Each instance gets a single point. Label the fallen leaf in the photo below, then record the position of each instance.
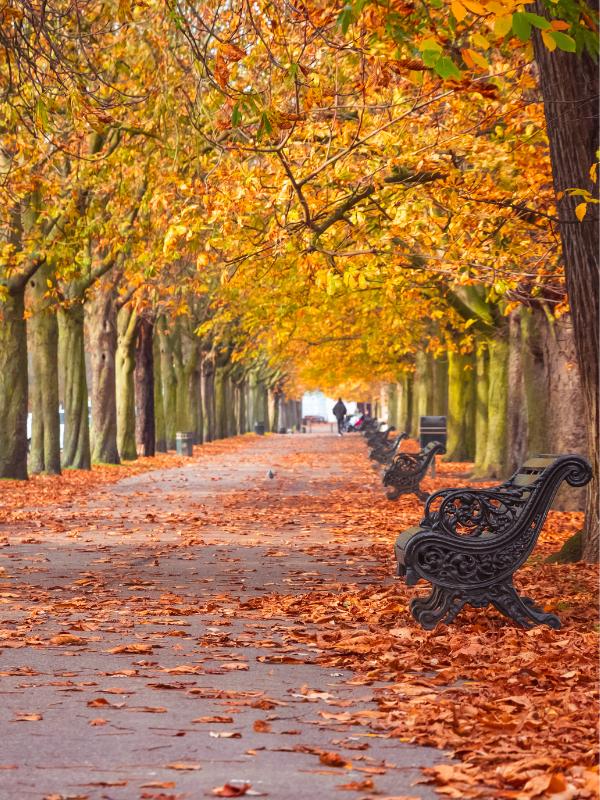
(331, 759)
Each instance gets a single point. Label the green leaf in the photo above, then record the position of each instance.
(521, 26)
(236, 115)
(446, 68)
(563, 41)
(538, 22)
(430, 58)
(346, 18)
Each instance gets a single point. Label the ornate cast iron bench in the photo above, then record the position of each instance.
(384, 453)
(407, 470)
(379, 436)
(471, 541)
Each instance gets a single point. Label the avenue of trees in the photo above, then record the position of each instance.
(207, 208)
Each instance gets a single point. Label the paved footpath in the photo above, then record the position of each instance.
(132, 662)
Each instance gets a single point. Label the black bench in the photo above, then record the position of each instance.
(379, 435)
(407, 470)
(471, 541)
(383, 453)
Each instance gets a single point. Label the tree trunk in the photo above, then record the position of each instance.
(481, 410)
(144, 389)
(460, 407)
(556, 418)
(516, 407)
(423, 389)
(208, 397)
(126, 336)
(186, 353)
(76, 445)
(569, 84)
(169, 381)
(439, 367)
(102, 337)
(42, 330)
(220, 403)
(405, 401)
(494, 465)
(159, 408)
(13, 387)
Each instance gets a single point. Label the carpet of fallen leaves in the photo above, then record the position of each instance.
(517, 710)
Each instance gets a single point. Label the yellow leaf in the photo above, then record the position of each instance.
(594, 172)
(502, 25)
(459, 11)
(475, 8)
(548, 41)
(480, 41)
(580, 211)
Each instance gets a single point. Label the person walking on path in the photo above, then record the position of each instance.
(339, 412)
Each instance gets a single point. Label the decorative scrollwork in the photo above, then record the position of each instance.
(474, 512)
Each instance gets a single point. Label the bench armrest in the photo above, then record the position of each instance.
(472, 512)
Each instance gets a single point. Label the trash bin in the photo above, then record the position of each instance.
(432, 429)
(184, 443)
(259, 428)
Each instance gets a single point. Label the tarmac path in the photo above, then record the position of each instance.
(137, 660)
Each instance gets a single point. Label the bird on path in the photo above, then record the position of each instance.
(270, 474)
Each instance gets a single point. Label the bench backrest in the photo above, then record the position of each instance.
(531, 470)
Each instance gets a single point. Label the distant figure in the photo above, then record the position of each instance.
(339, 412)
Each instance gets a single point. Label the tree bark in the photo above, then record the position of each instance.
(125, 362)
(569, 84)
(555, 410)
(494, 465)
(76, 445)
(481, 409)
(460, 407)
(42, 331)
(159, 409)
(13, 387)
(516, 405)
(102, 336)
(169, 381)
(144, 389)
(208, 397)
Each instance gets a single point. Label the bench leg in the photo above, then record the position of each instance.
(423, 496)
(522, 610)
(442, 605)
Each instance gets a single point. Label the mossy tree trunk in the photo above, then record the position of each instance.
(168, 380)
(494, 464)
(76, 445)
(439, 368)
(220, 403)
(208, 397)
(187, 361)
(461, 407)
(145, 431)
(159, 409)
(516, 406)
(13, 386)
(405, 387)
(481, 408)
(101, 326)
(423, 389)
(44, 451)
(127, 320)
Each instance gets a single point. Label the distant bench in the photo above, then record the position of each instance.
(407, 470)
(471, 541)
